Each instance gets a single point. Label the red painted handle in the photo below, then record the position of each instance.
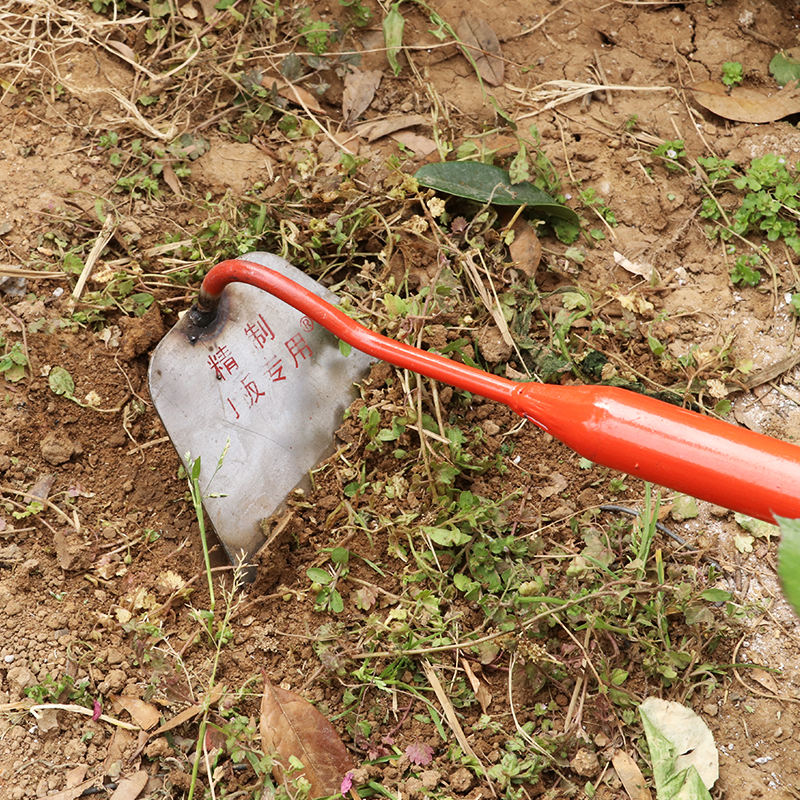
(646, 438)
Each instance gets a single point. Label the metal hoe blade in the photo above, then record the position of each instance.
(264, 385)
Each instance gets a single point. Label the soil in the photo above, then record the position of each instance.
(118, 534)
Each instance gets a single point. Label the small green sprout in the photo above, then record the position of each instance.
(732, 73)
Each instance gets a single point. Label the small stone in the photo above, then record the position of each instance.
(585, 763)
(711, 709)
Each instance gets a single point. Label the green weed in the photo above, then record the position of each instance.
(13, 362)
(732, 73)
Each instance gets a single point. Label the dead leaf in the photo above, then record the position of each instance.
(123, 50)
(481, 691)
(765, 679)
(526, 250)
(480, 43)
(76, 775)
(300, 97)
(131, 788)
(41, 489)
(747, 105)
(359, 92)
(291, 726)
(383, 127)
(172, 180)
(555, 485)
(421, 145)
(631, 776)
(145, 715)
(192, 711)
(641, 268)
(209, 9)
(72, 792)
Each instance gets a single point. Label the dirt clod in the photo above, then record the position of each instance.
(585, 763)
(57, 448)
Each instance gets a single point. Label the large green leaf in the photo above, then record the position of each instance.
(789, 561)
(487, 184)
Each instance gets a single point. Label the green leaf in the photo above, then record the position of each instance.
(447, 537)
(789, 561)
(337, 604)
(716, 595)
(318, 575)
(785, 66)
(393, 24)
(340, 555)
(60, 382)
(488, 184)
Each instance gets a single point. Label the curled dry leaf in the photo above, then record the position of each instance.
(291, 726)
(480, 43)
(526, 250)
(145, 715)
(359, 92)
(747, 105)
(481, 691)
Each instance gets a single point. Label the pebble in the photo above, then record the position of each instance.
(9, 659)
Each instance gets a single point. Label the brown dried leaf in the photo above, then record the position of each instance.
(766, 679)
(421, 145)
(172, 180)
(631, 776)
(145, 715)
(300, 97)
(481, 691)
(526, 250)
(747, 105)
(291, 726)
(480, 42)
(123, 49)
(130, 788)
(383, 127)
(71, 792)
(359, 92)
